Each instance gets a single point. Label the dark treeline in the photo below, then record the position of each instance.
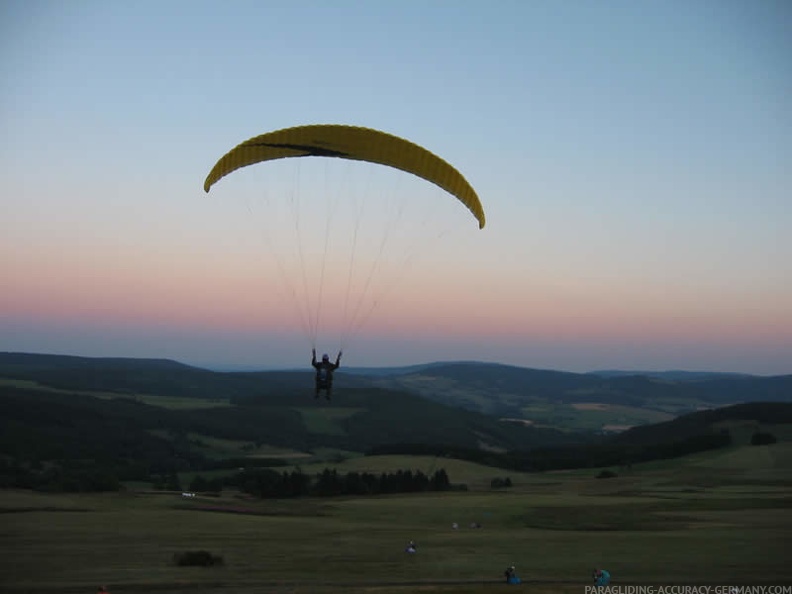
(267, 483)
(69, 476)
(569, 457)
(610, 454)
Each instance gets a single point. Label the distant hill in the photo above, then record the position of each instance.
(389, 371)
(672, 374)
(562, 400)
(126, 407)
(144, 376)
(514, 391)
(11, 363)
(135, 418)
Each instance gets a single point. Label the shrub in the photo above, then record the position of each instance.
(196, 558)
(760, 438)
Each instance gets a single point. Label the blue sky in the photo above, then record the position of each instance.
(634, 160)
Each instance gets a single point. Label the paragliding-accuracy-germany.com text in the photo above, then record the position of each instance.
(688, 589)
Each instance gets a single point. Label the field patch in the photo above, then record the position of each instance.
(179, 403)
(218, 448)
(603, 518)
(591, 416)
(17, 500)
(169, 402)
(32, 385)
(325, 420)
(256, 507)
(590, 406)
(672, 514)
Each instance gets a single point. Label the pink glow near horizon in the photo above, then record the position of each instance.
(139, 294)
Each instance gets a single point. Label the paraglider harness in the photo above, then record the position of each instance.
(323, 377)
(324, 372)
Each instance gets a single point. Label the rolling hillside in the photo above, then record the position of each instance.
(143, 417)
(77, 421)
(571, 400)
(605, 401)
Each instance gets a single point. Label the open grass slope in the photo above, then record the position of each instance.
(716, 518)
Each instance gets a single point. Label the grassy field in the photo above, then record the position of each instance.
(325, 420)
(717, 518)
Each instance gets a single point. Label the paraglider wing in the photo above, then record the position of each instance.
(349, 142)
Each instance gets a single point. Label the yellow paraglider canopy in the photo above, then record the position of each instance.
(350, 142)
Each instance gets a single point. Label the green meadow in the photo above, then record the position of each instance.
(723, 517)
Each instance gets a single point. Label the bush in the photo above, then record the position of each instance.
(760, 438)
(196, 558)
(607, 474)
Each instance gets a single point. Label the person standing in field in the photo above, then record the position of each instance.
(601, 577)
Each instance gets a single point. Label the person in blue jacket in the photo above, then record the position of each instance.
(601, 577)
(511, 575)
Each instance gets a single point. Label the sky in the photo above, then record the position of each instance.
(634, 160)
